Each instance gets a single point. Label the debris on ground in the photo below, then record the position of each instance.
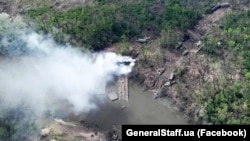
(185, 53)
(112, 96)
(62, 131)
(225, 5)
(160, 71)
(214, 8)
(60, 121)
(167, 84)
(179, 45)
(44, 132)
(143, 40)
(171, 77)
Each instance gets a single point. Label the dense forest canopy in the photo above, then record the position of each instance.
(100, 25)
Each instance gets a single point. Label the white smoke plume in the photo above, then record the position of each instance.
(38, 71)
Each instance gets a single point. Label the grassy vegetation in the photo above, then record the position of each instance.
(109, 21)
(17, 123)
(228, 102)
(98, 26)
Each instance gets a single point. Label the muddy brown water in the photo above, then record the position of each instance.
(141, 108)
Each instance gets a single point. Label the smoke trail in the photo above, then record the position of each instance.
(37, 71)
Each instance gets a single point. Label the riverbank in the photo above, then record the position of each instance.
(192, 68)
(141, 108)
(182, 75)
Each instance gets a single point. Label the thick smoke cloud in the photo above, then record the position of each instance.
(37, 71)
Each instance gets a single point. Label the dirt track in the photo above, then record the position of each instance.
(194, 65)
(148, 75)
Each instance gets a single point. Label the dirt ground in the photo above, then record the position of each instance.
(14, 7)
(145, 71)
(67, 131)
(194, 65)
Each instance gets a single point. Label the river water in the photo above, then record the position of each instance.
(141, 108)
